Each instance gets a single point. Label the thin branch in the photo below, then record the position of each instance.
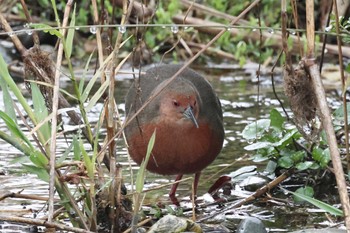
(44, 223)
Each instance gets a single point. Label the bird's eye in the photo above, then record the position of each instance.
(175, 103)
(194, 104)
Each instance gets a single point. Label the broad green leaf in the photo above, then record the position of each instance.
(277, 120)
(271, 167)
(298, 156)
(306, 191)
(140, 179)
(40, 172)
(41, 112)
(256, 129)
(287, 138)
(304, 165)
(338, 114)
(322, 205)
(323, 157)
(285, 162)
(258, 145)
(70, 34)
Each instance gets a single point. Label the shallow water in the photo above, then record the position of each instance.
(237, 89)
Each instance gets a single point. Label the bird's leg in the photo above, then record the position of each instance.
(172, 193)
(195, 184)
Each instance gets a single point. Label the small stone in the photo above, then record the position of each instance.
(171, 223)
(251, 224)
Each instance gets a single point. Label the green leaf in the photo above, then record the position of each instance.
(82, 80)
(338, 114)
(41, 111)
(323, 157)
(65, 154)
(306, 191)
(76, 149)
(256, 129)
(47, 29)
(16, 91)
(271, 167)
(277, 120)
(8, 101)
(285, 162)
(324, 206)
(97, 75)
(14, 129)
(40, 172)
(70, 34)
(298, 156)
(304, 165)
(97, 95)
(287, 138)
(140, 179)
(39, 159)
(258, 145)
(87, 161)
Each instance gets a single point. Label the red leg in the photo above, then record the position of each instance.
(172, 193)
(195, 184)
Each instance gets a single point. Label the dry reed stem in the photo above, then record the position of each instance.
(325, 114)
(44, 223)
(344, 85)
(55, 103)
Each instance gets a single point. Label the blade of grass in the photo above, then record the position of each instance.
(70, 34)
(8, 101)
(322, 205)
(41, 111)
(140, 179)
(15, 130)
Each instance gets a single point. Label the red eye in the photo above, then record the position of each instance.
(175, 103)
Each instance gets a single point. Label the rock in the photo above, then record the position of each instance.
(326, 230)
(171, 223)
(251, 224)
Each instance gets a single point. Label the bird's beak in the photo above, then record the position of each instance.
(188, 113)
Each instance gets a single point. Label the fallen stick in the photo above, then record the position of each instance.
(44, 223)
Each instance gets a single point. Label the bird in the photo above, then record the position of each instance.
(187, 117)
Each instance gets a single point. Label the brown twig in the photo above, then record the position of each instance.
(8, 194)
(44, 223)
(29, 19)
(258, 193)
